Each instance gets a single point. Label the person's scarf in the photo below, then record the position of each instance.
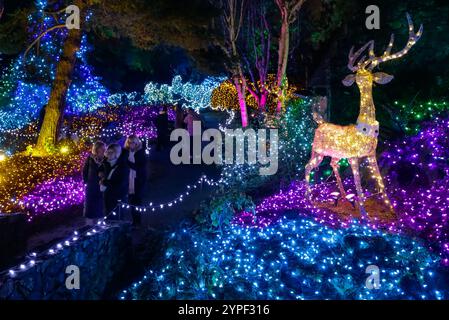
(98, 161)
(132, 173)
(113, 165)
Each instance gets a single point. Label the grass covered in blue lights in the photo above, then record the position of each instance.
(294, 259)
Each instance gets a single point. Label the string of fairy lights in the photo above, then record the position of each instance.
(33, 258)
(177, 200)
(75, 194)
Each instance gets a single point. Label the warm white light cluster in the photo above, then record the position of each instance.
(355, 142)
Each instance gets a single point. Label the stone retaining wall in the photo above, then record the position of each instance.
(12, 237)
(100, 257)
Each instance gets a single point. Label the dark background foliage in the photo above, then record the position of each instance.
(141, 40)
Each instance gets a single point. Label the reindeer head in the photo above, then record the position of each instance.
(364, 75)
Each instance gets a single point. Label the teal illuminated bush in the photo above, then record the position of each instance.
(293, 259)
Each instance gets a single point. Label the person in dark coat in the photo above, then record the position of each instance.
(134, 155)
(93, 204)
(179, 118)
(114, 183)
(162, 129)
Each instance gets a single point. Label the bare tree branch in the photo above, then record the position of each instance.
(2, 8)
(40, 36)
(54, 12)
(296, 7)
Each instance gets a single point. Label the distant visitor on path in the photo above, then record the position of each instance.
(162, 129)
(93, 201)
(179, 119)
(188, 120)
(114, 183)
(134, 155)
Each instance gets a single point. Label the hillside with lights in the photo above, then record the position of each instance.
(354, 120)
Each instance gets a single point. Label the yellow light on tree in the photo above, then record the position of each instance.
(64, 149)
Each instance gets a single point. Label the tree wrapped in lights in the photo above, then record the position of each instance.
(225, 97)
(26, 85)
(126, 99)
(188, 95)
(250, 54)
(355, 142)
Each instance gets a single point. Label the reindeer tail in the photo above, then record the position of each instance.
(319, 110)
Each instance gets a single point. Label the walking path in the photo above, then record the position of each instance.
(165, 183)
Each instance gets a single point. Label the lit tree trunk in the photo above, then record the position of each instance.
(241, 94)
(289, 11)
(263, 101)
(232, 19)
(258, 53)
(284, 41)
(54, 109)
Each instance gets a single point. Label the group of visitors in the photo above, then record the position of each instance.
(113, 174)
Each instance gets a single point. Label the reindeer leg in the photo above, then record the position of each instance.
(335, 166)
(358, 185)
(379, 181)
(314, 162)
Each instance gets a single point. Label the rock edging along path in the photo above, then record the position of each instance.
(100, 254)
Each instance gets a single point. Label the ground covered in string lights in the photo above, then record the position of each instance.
(320, 251)
(292, 259)
(417, 183)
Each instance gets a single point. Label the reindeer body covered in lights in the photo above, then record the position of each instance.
(358, 141)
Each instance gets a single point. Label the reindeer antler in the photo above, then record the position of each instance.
(354, 56)
(413, 37)
(372, 61)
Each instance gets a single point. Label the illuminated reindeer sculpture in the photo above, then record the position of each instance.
(358, 141)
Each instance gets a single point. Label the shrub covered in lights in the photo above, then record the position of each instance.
(34, 184)
(224, 97)
(218, 212)
(411, 116)
(295, 137)
(293, 259)
(186, 94)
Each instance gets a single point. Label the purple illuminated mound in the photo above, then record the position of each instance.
(51, 195)
(140, 121)
(417, 183)
(292, 259)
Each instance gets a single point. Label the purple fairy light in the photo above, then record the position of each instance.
(55, 194)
